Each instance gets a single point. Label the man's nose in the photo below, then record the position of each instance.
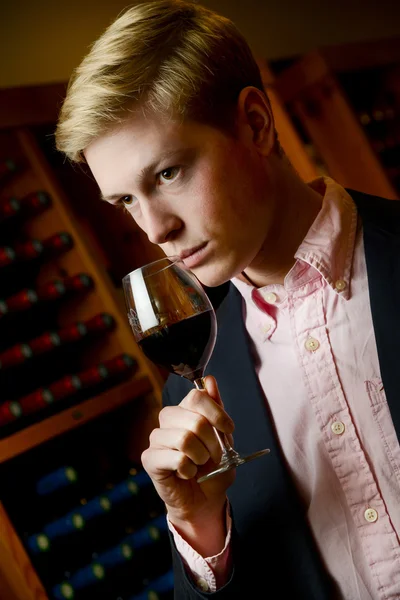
(160, 225)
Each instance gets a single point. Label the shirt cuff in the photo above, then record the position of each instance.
(211, 573)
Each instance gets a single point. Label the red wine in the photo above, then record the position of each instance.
(184, 347)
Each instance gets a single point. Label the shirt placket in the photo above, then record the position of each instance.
(378, 537)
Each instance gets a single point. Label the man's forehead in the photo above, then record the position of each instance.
(143, 136)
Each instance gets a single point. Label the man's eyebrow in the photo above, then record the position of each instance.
(111, 197)
(148, 170)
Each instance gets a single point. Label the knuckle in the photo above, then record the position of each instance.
(153, 437)
(182, 462)
(163, 414)
(186, 441)
(194, 398)
(203, 457)
(190, 447)
(200, 425)
(143, 458)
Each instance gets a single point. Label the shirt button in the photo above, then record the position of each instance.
(338, 427)
(340, 285)
(311, 344)
(271, 298)
(202, 584)
(266, 328)
(370, 515)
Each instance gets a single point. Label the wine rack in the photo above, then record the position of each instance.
(79, 518)
(345, 104)
(88, 516)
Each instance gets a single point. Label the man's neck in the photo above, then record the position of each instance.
(296, 206)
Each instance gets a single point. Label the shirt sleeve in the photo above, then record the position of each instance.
(211, 573)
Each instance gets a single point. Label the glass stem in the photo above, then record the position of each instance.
(228, 453)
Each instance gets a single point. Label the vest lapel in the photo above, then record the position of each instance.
(381, 226)
(233, 367)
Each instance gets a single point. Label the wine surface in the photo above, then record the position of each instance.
(184, 347)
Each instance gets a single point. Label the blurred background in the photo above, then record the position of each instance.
(42, 42)
(78, 516)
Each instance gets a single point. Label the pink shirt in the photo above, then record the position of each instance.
(315, 355)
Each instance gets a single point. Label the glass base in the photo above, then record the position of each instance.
(231, 463)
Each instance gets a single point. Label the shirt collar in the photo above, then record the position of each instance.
(329, 243)
(328, 246)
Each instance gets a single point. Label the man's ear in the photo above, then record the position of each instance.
(255, 119)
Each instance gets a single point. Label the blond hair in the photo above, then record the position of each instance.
(172, 57)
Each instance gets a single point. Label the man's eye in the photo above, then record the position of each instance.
(170, 174)
(127, 200)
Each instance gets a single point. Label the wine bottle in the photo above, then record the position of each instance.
(54, 481)
(100, 322)
(9, 208)
(65, 526)
(9, 412)
(35, 249)
(67, 387)
(129, 487)
(50, 340)
(84, 578)
(147, 535)
(95, 507)
(22, 261)
(157, 589)
(22, 208)
(112, 498)
(122, 364)
(25, 315)
(30, 297)
(8, 168)
(151, 558)
(92, 532)
(15, 356)
(126, 550)
(144, 503)
(88, 533)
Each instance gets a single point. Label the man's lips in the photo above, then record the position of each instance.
(186, 253)
(193, 257)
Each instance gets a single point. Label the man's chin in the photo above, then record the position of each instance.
(211, 277)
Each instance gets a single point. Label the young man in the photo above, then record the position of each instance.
(169, 112)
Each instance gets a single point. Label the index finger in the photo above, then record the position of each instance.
(200, 402)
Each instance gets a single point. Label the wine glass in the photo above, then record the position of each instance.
(175, 326)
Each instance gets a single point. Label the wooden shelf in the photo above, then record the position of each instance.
(18, 578)
(73, 417)
(312, 92)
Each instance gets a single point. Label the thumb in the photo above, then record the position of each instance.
(212, 389)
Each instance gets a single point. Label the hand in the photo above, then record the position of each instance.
(182, 449)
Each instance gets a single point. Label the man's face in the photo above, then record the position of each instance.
(194, 191)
